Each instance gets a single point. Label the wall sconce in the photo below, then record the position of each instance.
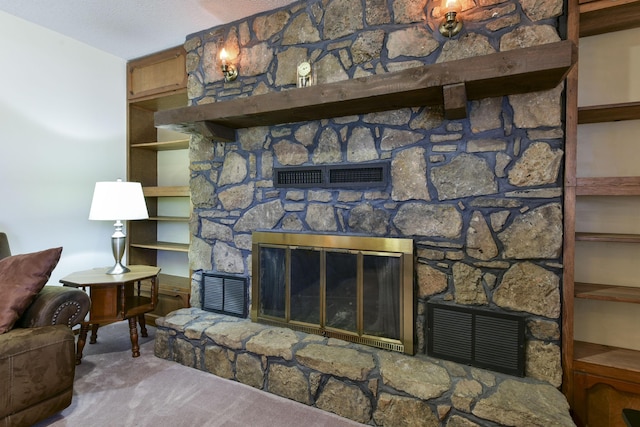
(450, 25)
(230, 72)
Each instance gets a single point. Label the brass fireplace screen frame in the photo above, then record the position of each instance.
(359, 245)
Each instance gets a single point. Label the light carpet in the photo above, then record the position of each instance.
(113, 389)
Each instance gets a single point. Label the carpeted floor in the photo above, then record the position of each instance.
(113, 389)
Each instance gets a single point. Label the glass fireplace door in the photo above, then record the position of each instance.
(359, 295)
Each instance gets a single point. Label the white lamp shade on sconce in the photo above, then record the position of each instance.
(118, 200)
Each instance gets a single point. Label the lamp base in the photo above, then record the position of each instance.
(117, 247)
(118, 269)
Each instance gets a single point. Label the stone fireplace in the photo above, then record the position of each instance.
(480, 197)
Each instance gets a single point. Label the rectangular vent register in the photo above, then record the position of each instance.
(224, 294)
(476, 337)
(328, 176)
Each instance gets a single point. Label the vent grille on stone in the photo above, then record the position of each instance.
(362, 175)
(477, 337)
(224, 294)
(299, 177)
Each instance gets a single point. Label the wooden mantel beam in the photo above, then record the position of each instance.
(516, 71)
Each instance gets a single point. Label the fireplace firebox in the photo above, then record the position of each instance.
(355, 288)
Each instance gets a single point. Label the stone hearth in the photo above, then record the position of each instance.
(368, 385)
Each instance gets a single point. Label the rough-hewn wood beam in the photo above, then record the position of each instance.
(455, 101)
(504, 73)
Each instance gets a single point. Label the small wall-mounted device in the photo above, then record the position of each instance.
(228, 70)
(305, 74)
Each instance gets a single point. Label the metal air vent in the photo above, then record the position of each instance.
(361, 175)
(476, 337)
(224, 294)
(299, 177)
(343, 176)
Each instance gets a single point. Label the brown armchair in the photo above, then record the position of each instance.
(37, 353)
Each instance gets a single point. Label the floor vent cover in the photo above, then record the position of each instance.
(345, 176)
(224, 294)
(476, 337)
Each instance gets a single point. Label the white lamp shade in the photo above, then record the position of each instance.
(118, 200)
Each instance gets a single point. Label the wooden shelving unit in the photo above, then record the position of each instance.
(155, 83)
(607, 292)
(608, 237)
(589, 366)
(606, 16)
(169, 191)
(608, 186)
(609, 113)
(180, 144)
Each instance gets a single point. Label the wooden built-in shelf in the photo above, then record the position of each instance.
(174, 191)
(176, 99)
(607, 292)
(606, 16)
(608, 237)
(169, 218)
(609, 112)
(608, 361)
(177, 284)
(608, 186)
(450, 84)
(163, 246)
(180, 144)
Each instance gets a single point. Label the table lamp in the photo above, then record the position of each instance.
(118, 201)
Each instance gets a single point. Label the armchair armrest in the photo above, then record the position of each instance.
(56, 305)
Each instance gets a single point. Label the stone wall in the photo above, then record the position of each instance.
(367, 385)
(481, 197)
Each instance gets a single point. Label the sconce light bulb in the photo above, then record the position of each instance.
(223, 56)
(229, 71)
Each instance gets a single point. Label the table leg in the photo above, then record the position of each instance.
(133, 331)
(143, 325)
(82, 339)
(94, 333)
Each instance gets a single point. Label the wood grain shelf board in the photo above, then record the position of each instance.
(607, 292)
(169, 218)
(175, 191)
(180, 144)
(609, 113)
(608, 237)
(608, 186)
(605, 16)
(177, 284)
(176, 99)
(516, 71)
(163, 246)
(613, 362)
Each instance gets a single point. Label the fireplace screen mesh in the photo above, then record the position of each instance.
(355, 293)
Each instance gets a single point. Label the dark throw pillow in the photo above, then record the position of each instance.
(21, 278)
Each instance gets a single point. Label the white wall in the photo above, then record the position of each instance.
(62, 128)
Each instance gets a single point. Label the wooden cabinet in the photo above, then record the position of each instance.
(159, 160)
(601, 323)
